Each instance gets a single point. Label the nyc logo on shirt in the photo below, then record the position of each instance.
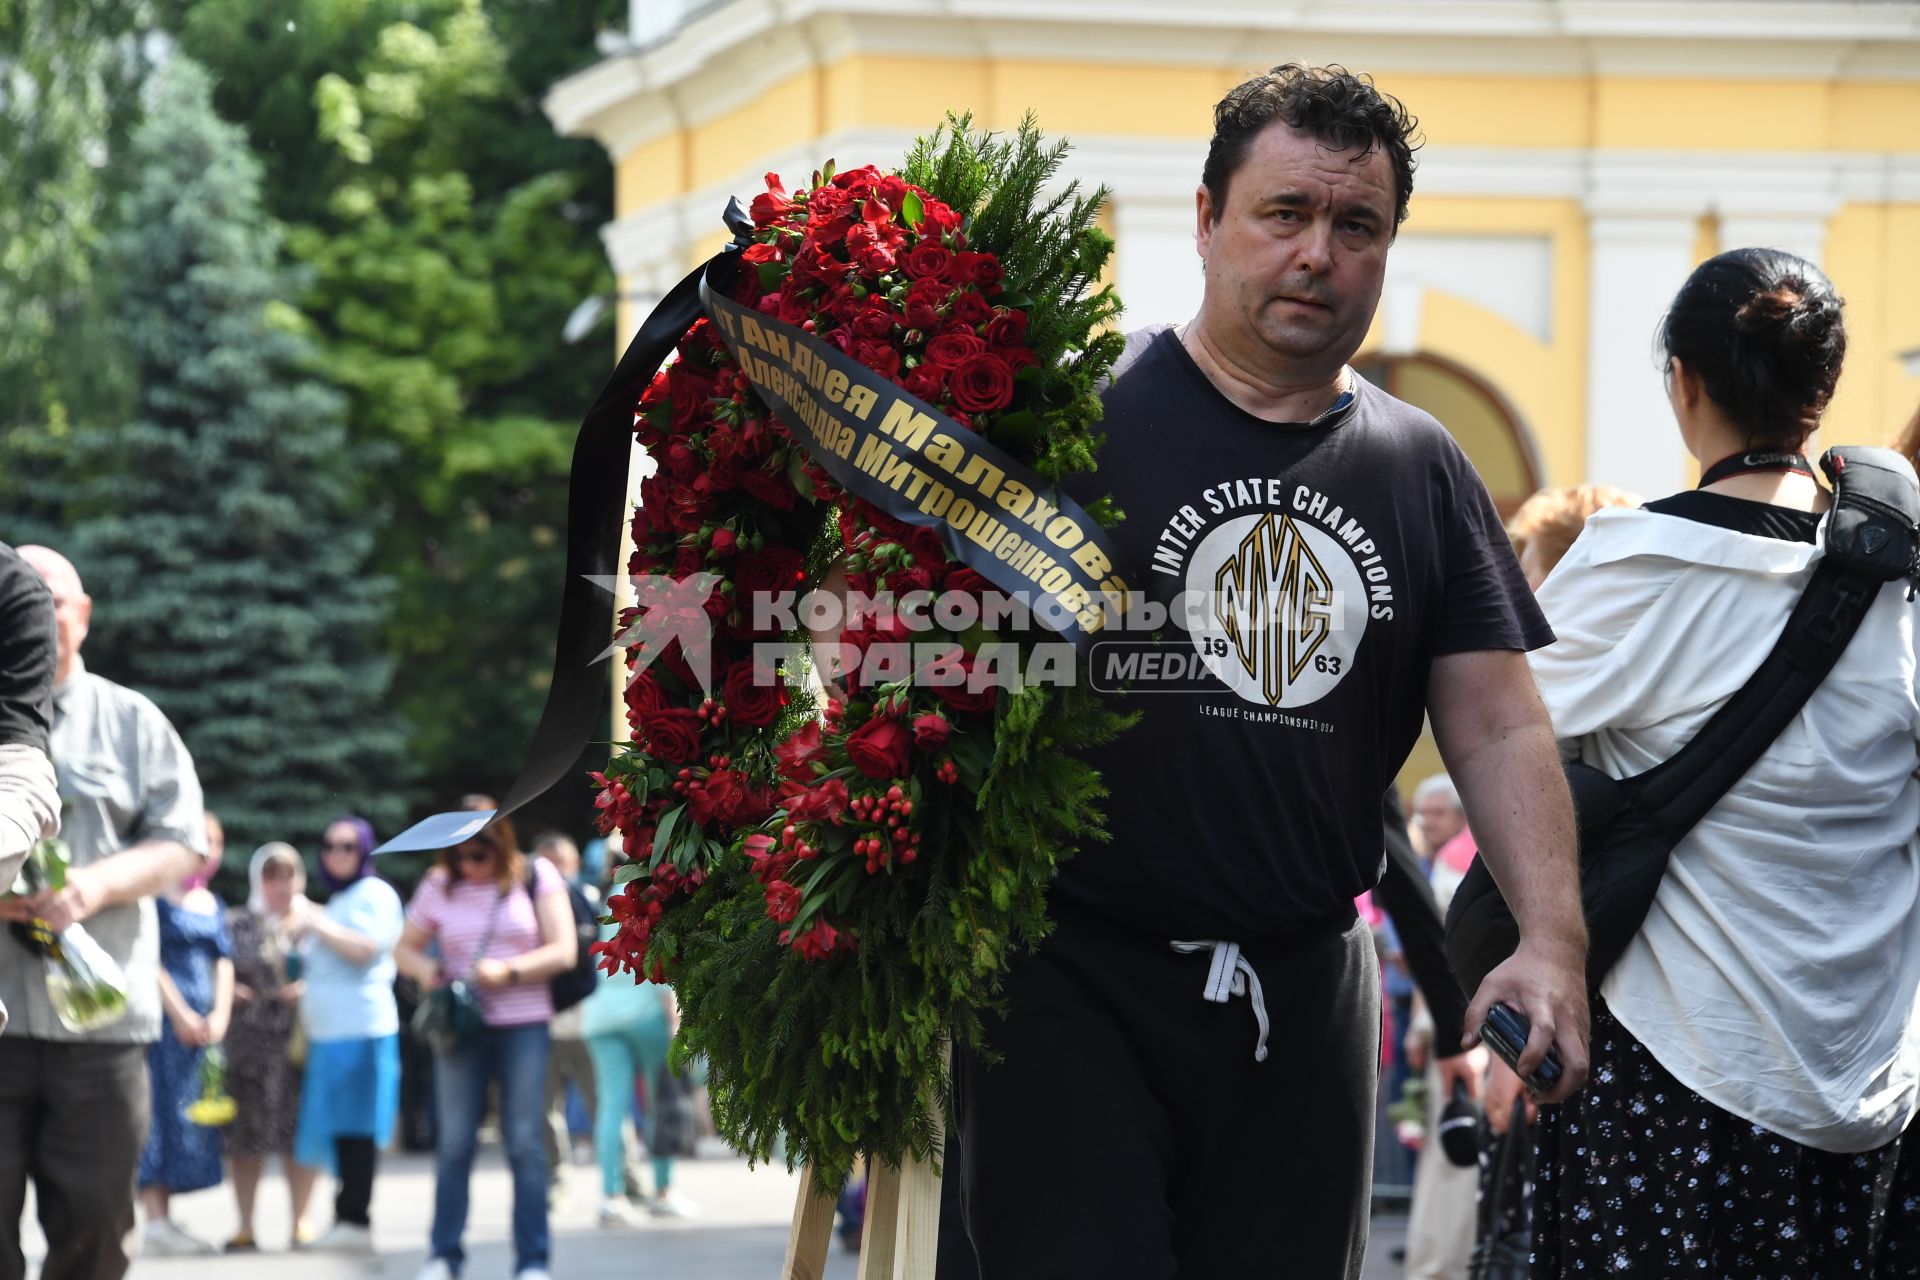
(1280, 584)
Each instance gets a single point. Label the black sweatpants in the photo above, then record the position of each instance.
(1129, 1134)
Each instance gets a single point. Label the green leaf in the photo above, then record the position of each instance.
(663, 833)
(628, 872)
(912, 210)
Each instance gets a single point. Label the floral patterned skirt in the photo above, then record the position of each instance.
(1640, 1176)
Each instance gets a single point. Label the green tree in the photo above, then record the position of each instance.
(445, 233)
(68, 69)
(213, 525)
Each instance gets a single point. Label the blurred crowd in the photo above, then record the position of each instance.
(312, 1024)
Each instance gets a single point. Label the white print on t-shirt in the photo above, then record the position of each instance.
(1284, 596)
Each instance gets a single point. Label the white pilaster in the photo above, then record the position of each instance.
(1639, 260)
(1797, 233)
(1158, 268)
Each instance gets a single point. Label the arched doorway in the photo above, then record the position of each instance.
(1476, 414)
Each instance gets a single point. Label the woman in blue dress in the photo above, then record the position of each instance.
(196, 993)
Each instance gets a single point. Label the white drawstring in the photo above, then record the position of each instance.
(1231, 975)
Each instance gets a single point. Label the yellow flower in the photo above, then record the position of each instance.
(212, 1112)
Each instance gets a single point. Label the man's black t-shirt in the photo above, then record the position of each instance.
(26, 653)
(1248, 805)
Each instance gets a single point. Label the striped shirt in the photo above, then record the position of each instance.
(457, 917)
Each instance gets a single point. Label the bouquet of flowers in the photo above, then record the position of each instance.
(85, 985)
(835, 885)
(215, 1106)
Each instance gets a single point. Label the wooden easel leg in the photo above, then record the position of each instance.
(812, 1233)
(883, 1222)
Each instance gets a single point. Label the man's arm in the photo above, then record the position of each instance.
(29, 805)
(139, 871)
(1499, 748)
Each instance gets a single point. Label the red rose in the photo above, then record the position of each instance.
(772, 570)
(725, 541)
(971, 309)
(754, 694)
(924, 301)
(967, 580)
(772, 488)
(875, 319)
(931, 731)
(824, 803)
(926, 381)
(673, 734)
(926, 546)
(881, 357)
(1017, 358)
(874, 259)
(981, 270)
(881, 748)
(892, 189)
(941, 217)
(797, 754)
(949, 349)
(761, 253)
(982, 383)
(928, 260)
(794, 309)
(783, 901)
(958, 695)
(1007, 329)
(903, 581)
(644, 694)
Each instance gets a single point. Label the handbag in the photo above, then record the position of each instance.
(450, 1016)
(1628, 827)
(676, 1126)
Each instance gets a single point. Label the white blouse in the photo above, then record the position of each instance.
(1778, 972)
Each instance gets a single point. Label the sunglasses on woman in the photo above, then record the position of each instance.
(479, 851)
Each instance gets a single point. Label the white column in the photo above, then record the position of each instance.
(1158, 274)
(1638, 262)
(1804, 234)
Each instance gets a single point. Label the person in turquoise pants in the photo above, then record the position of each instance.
(627, 1025)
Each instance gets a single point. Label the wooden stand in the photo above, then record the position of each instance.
(902, 1233)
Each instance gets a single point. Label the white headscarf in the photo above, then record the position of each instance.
(256, 872)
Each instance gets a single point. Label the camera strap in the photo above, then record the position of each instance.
(1872, 538)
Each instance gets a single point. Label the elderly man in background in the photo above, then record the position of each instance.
(29, 793)
(74, 1107)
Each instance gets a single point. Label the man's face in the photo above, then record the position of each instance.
(72, 606)
(1296, 256)
(1439, 819)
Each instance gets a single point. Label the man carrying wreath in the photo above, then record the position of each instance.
(1188, 1063)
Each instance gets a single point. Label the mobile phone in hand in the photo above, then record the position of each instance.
(1505, 1031)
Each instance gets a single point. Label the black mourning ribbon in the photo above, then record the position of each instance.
(596, 514)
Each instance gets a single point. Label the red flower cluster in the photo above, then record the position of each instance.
(882, 271)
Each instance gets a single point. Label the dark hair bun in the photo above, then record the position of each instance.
(1763, 330)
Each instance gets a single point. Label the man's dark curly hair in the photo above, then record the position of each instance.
(1343, 111)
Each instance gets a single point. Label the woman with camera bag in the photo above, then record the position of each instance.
(1756, 1053)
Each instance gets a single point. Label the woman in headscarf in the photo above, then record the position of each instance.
(265, 1048)
(352, 1085)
